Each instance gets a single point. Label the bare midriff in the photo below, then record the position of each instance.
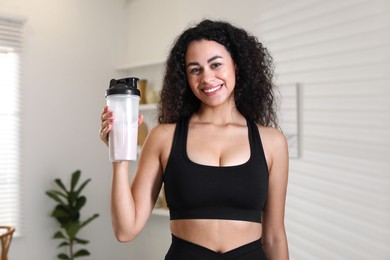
(216, 234)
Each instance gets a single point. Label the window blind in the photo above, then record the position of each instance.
(11, 50)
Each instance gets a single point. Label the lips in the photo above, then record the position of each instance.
(212, 90)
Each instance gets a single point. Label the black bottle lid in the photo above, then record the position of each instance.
(123, 86)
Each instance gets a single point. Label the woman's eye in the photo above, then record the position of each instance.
(215, 65)
(194, 70)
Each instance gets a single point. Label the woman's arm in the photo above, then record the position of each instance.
(274, 234)
(132, 204)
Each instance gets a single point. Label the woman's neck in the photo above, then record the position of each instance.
(220, 115)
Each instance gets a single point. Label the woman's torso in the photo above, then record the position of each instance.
(213, 145)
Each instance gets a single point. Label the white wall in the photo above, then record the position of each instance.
(72, 48)
(155, 24)
(338, 203)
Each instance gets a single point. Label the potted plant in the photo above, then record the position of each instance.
(67, 213)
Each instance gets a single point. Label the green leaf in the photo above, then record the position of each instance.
(81, 241)
(64, 215)
(63, 244)
(68, 224)
(72, 197)
(81, 252)
(54, 196)
(59, 193)
(82, 186)
(80, 202)
(89, 220)
(59, 213)
(72, 230)
(63, 256)
(76, 216)
(59, 234)
(75, 179)
(61, 185)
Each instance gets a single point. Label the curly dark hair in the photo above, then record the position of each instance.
(253, 92)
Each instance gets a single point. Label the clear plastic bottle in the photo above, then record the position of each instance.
(123, 100)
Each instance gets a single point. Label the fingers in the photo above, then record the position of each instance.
(104, 134)
(107, 119)
(106, 114)
(140, 119)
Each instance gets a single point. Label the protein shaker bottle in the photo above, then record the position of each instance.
(123, 99)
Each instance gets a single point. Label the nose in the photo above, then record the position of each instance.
(207, 76)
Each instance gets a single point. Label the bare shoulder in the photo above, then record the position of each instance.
(159, 139)
(159, 142)
(272, 136)
(161, 134)
(162, 130)
(274, 143)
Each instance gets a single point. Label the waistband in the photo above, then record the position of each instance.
(206, 252)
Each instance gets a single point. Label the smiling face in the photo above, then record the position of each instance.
(210, 72)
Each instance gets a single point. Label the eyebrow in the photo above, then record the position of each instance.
(208, 61)
(213, 58)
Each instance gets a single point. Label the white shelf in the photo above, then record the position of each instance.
(147, 107)
(160, 212)
(152, 71)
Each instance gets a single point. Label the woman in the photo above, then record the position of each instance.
(223, 163)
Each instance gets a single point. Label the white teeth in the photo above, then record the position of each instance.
(211, 89)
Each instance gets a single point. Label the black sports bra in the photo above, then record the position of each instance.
(195, 191)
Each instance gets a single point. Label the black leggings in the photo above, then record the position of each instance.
(183, 250)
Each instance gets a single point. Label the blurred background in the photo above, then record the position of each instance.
(332, 64)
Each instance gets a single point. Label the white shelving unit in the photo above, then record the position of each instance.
(151, 71)
(148, 107)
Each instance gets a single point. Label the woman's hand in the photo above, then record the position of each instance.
(107, 119)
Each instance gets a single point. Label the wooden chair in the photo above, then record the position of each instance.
(5, 238)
